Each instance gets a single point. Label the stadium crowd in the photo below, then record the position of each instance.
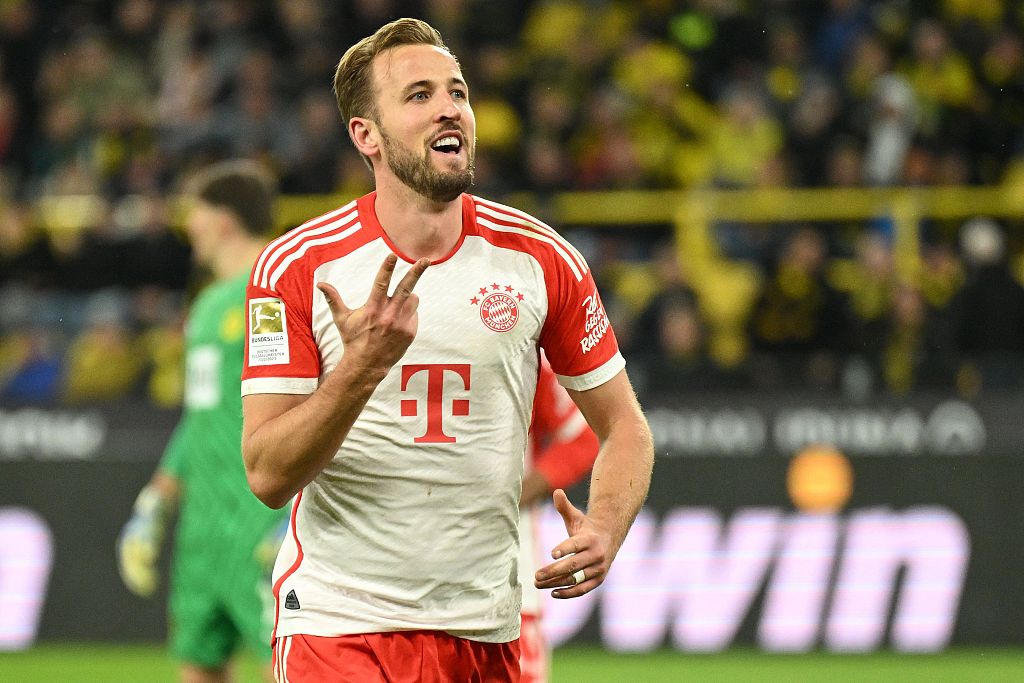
(118, 99)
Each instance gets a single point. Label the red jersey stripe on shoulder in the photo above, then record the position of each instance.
(275, 268)
(335, 220)
(534, 235)
(509, 214)
(315, 226)
(306, 246)
(295, 565)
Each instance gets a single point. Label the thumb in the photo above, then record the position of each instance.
(567, 510)
(338, 307)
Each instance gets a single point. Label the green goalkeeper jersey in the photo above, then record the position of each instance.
(221, 523)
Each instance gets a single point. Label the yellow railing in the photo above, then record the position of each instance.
(646, 207)
(691, 212)
(726, 287)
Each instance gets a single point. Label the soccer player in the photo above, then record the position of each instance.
(220, 588)
(396, 420)
(562, 448)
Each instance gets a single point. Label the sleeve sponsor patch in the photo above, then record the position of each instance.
(268, 332)
(597, 322)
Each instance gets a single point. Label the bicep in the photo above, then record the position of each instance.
(609, 404)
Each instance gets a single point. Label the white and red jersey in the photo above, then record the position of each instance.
(413, 524)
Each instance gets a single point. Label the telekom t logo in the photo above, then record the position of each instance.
(435, 390)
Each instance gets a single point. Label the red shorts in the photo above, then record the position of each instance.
(533, 651)
(399, 657)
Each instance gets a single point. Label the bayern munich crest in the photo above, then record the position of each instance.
(499, 306)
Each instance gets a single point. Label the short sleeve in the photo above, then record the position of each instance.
(577, 335)
(281, 355)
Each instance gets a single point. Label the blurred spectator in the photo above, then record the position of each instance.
(163, 348)
(915, 351)
(866, 282)
(189, 83)
(746, 138)
(671, 337)
(256, 122)
(797, 325)
(153, 254)
(309, 42)
(989, 308)
(547, 164)
(316, 167)
(1002, 82)
(158, 314)
(135, 27)
(30, 365)
(812, 125)
(890, 129)
(667, 285)
(103, 361)
(14, 138)
(24, 30)
(942, 275)
(676, 358)
(26, 257)
(606, 154)
(841, 25)
(869, 61)
(944, 82)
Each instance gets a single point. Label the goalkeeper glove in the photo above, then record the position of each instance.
(138, 546)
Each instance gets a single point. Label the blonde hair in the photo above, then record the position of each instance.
(353, 80)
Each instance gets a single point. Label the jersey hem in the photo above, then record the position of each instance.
(596, 377)
(502, 635)
(279, 385)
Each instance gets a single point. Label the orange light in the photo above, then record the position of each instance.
(820, 479)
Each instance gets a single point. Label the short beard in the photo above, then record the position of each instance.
(419, 174)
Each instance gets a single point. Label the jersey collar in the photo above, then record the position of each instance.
(368, 218)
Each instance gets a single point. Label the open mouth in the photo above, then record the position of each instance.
(449, 144)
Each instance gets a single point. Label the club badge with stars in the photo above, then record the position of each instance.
(499, 306)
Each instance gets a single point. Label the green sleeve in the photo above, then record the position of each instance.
(173, 460)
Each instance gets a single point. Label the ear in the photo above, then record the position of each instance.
(364, 135)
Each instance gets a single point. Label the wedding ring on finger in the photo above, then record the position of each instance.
(578, 577)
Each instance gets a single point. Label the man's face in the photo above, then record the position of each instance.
(426, 125)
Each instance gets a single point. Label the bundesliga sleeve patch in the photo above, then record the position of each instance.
(268, 332)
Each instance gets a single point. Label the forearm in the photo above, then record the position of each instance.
(284, 453)
(621, 478)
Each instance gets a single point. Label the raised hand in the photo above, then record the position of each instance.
(378, 333)
(582, 560)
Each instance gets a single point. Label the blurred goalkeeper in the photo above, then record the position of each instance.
(226, 540)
